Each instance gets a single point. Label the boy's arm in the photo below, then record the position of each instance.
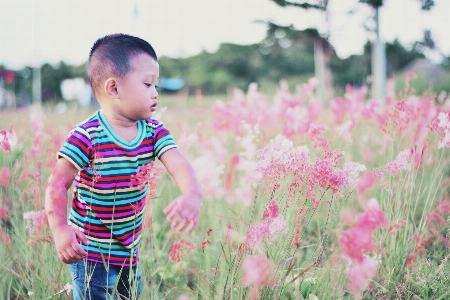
(184, 211)
(64, 235)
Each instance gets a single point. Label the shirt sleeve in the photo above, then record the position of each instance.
(77, 148)
(163, 140)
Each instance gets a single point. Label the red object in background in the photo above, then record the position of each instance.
(8, 76)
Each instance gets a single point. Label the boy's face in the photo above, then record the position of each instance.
(137, 90)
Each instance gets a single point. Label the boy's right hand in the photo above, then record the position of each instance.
(67, 246)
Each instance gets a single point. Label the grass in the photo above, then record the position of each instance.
(30, 268)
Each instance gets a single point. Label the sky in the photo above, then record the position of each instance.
(36, 31)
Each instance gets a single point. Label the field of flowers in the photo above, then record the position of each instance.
(302, 200)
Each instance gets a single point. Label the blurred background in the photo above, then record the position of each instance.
(210, 47)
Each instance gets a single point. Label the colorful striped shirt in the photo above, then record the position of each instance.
(107, 204)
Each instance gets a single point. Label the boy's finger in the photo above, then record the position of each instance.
(82, 237)
(181, 225)
(172, 213)
(170, 207)
(191, 226)
(176, 222)
(79, 250)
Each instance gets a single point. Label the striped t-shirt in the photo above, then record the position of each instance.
(107, 204)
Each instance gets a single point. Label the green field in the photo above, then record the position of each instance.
(307, 261)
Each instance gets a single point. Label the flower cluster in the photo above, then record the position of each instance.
(358, 241)
(401, 162)
(8, 139)
(259, 271)
(444, 124)
(146, 176)
(268, 229)
(179, 248)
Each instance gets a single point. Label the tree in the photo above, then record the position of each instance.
(379, 52)
(322, 49)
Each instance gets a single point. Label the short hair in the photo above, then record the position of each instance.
(111, 55)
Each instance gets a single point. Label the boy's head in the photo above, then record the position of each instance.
(111, 56)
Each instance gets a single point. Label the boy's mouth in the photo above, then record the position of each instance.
(153, 107)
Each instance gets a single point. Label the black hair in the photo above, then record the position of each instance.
(111, 55)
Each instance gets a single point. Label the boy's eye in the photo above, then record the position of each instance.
(148, 84)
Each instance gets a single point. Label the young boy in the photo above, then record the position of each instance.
(102, 156)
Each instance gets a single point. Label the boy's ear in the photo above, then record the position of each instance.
(110, 88)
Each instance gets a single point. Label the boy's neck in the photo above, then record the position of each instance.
(123, 127)
(117, 121)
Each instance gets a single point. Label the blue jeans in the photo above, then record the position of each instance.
(92, 281)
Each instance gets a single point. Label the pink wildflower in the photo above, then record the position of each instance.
(8, 139)
(3, 213)
(317, 137)
(146, 176)
(444, 124)
(178, 249)
(204, 243)
(229, 176)
(36, 221)
(348, 177)
(360, 274)
(368, 181)
(411, 75)
(373, 217)
(401, 162)
(345, 130)
(258, 270)
(394, 228)
(380, 176)
(5, 175)
(266, 230)
(358, 240)
(183, 297)
(5, 238)
(228, 233)
(271, 211)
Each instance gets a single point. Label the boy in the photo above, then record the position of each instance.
(103, 157)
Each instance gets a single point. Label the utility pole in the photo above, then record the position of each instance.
(37, 86)
(378, 63)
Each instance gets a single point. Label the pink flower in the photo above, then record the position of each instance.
(258, 270)
(146, 176)
(444, 125)
(360, 274)
(317, 137)
(359, 240)
(3, 214)
(401, 162)
(228, 233)
(266, 230)
(178, 249)
(380, 176)
(271, 211)
(373, 217)
(183, 297)
(5, 175)
(368, 181)
(8, 139)
(36, 221)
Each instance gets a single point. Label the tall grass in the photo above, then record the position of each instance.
(303, 259)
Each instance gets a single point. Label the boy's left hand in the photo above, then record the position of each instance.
(183, 212)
